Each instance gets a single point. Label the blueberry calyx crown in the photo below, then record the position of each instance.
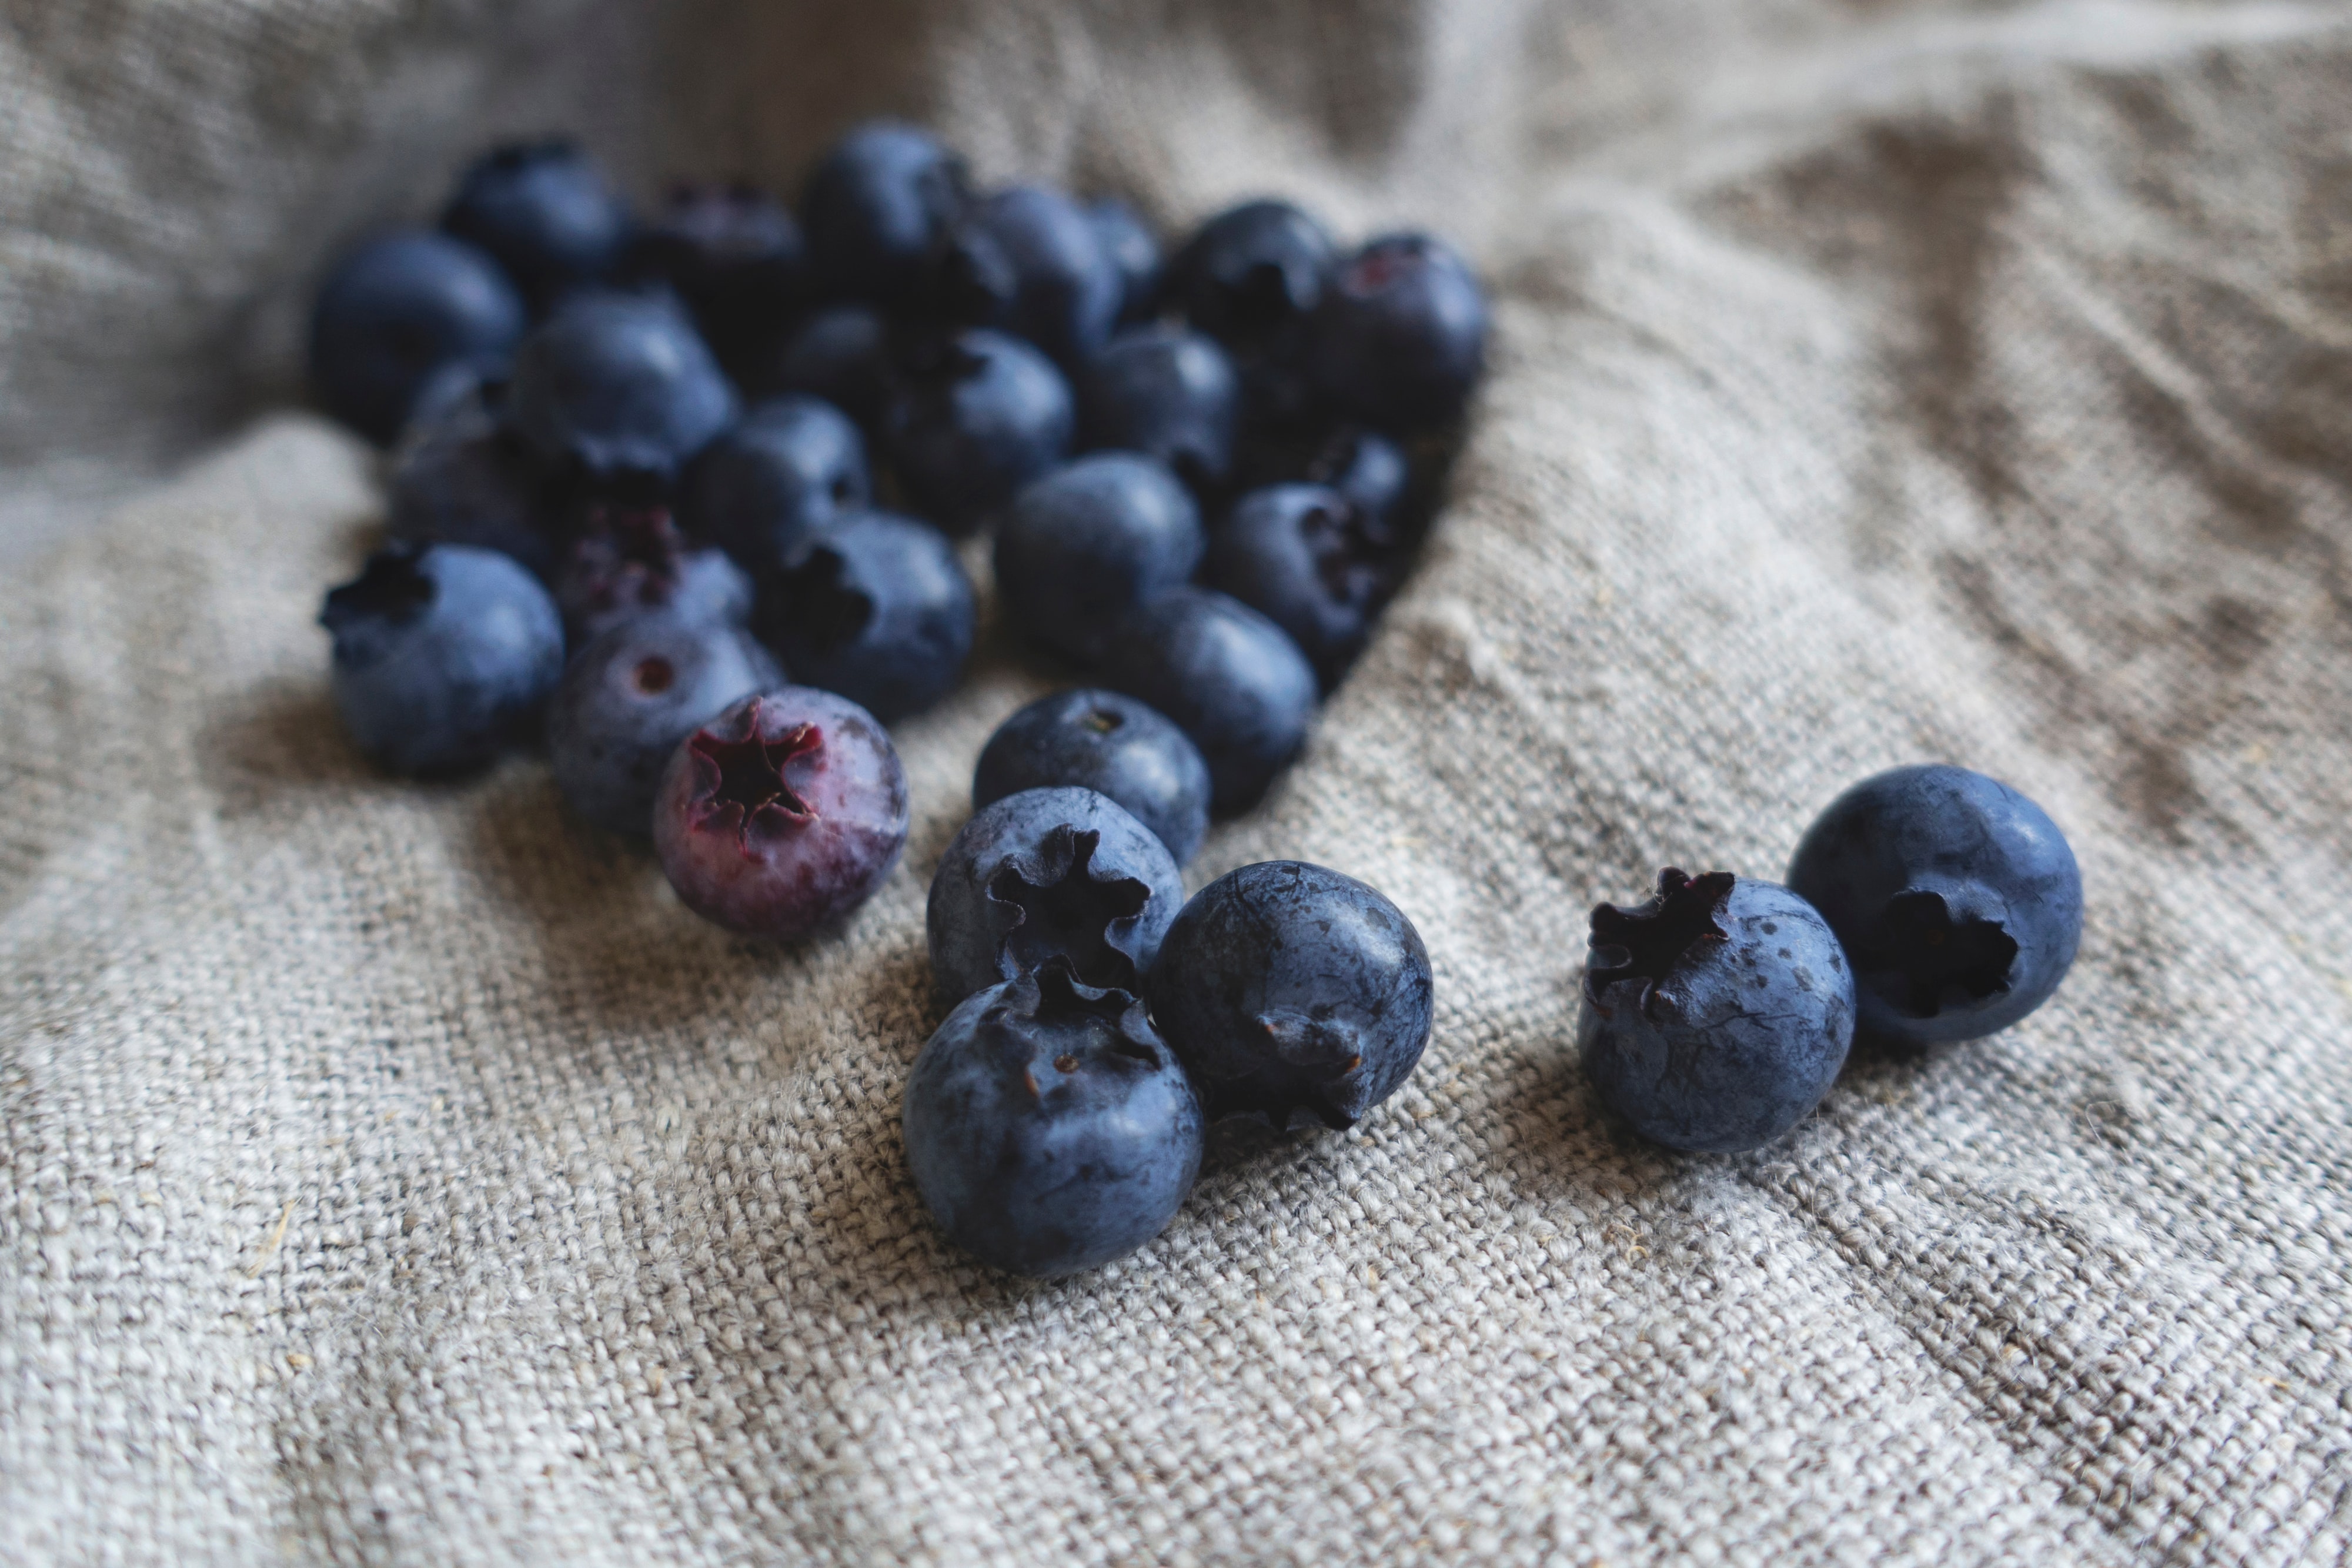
(1045, 1008)
(1062, 913)
(816, 607)
(390, 588)
(1922, 960)
(750, 777)
(1313, 1064)
(1645, 943)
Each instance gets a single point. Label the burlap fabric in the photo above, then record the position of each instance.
(399, 1175)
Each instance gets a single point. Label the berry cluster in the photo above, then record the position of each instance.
(1926, 905)
(645, 472)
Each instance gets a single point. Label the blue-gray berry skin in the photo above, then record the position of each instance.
(1112, 744)
(1048, 875)
(394, 312)
(791, 468)
(1166, 393)
(1716, 1015)
(877, 207)
(633, 563)
(842, 355)
(1253, 272)
(460, 478)
(1048, 1128)
(444, 656)
(1399, 337)
(1028, 260)
(1294, 994)
(876, 608)
(631, 697)
(544, 211)
(1082, 548)
(619, 390)
(973, 418)
(1229, 677)
(1957, 899)
(1134, 252)
(1299, 555)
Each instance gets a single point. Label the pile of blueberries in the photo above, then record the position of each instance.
(645, 471)
(630, 489)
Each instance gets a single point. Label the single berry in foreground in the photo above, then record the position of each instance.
(1230, 678)
(1716, 1015)
(1400, 339)
(1081, 549)
(396, 311)
(973, 419)
(877, 207)
(1294, 993)
(1050, 875)
(632, 563)
(1112, 744)
(1168, 394)
(631, 697)
(793, 467)
(876, 608)
(1048, 1128)
(445, 655)
(543, 211)
(1299, 555)
(1957, 899)
(783, 813)
(618, 390)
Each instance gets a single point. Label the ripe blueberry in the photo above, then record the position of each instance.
(1296, 554)
(1112, 744)
(631, 697)
(1716, 1015)
(974, 417)
(1134, 252)
(1957, 899)
(734, 255)
(444, 655)
(619, 390)
(876, 608)
(1253, 272)
(783, 813)
(1400, 339)
(1082, 548)
(791, 468)
(1293, 993)
(460, 478)
(396, 311)
(876, 208)
(631, 564)
(1230, 678)
(1029, 261)
(1166, 393)
(543, 211)
(841, 354)
(1048, 1128)
(1050, 874)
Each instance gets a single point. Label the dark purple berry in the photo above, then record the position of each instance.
(632, 563)
(1107, 743)
(1081, 549)
(1296, 554)
(1399, 340)
(975, 417)
(1029, 261)
(734, 255)
(876, 608)
(791, 468)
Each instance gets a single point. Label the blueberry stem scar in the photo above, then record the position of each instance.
(751, 774)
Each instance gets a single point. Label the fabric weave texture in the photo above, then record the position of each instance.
(399, 1175)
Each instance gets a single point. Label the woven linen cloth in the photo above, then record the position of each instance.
(398, 1173)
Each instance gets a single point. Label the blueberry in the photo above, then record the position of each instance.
(1296, 554)
(444, 655)
(1372, 475)
(1252, 273)
(1112, 744)
(1293, 993)
(1047, 1127)
(1167, 392)
(632, 563)
(1957, 900)
(1716, 1015)
(791, 468)
(1029, 261)
(618, 389)
(1230, 678)
(460, 478)
(1399, 340)
(630, 698)
(1134, 252)
(1046, 874)
(782, 814)
(842, 355)
(734, 255)
(1086, 545)
(396, 310)
(976, 416)
(543, 211)
(877, 207)
(876, 608)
